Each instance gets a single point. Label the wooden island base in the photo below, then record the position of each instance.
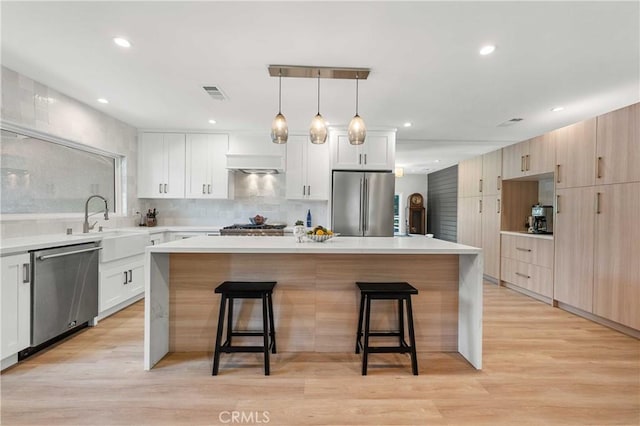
(315, 301)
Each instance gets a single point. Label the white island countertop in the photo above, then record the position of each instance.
(353, 245)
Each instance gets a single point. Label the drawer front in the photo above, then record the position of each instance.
(536, 251)
(531, 277)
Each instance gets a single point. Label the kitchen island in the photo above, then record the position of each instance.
(315, 301)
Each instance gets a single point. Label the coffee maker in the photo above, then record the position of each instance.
(542, 219)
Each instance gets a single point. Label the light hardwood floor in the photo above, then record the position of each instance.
(541, 366)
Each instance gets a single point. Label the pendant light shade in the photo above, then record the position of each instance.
(318, 129)
(279, 128)
(357, 131)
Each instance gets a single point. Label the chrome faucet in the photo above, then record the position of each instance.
(85, 226)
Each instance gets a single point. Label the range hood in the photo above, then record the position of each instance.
(256, 163)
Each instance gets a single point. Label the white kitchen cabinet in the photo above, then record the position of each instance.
(161, 165)
(157, 238)
(308, 172)
(376, 153)
(206, 166)
(16, 304)
(120, 280)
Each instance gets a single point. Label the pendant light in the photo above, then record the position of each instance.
(318, 129)
(279, 128)
(357, 131)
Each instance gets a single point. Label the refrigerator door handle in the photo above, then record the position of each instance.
(360, 222)
(365, 218)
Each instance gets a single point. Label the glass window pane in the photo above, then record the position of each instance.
(45, 177)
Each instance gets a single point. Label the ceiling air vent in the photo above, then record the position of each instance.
(215, 93)
(510, 122)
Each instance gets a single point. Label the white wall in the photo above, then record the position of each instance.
(31, 104)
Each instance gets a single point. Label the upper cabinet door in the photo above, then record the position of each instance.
(174, 161)
(345, 155)
(470, 177)
(318, 171)
(618, 146)
(198, 174)
(492, 173)
(513, 160)
(151, 165)
(378, 152)
(296, 183)
(575, 155)
(541, 157)
(218, 148)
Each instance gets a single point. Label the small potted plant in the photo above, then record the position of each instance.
(299, 231)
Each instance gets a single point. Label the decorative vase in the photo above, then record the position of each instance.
(299, 232)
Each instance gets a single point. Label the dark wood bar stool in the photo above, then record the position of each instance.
(400, 291)
(231, 290)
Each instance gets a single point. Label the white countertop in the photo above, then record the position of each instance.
(374, 245)
(526, 234)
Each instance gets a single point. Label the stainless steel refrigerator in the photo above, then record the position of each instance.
(362, 203)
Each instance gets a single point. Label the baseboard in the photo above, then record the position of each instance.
(602, 321)
(8, 361)
(529, 293)
(491, 279)
(120, 306)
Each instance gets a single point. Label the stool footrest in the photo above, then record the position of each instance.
(247, 333)
(232, 349)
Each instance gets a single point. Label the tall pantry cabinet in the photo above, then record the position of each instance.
(596, 232)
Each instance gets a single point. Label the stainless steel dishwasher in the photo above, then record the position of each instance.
(64, 292)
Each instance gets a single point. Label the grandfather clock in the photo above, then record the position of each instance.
(416, 214)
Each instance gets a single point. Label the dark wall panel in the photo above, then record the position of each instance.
(442, 204)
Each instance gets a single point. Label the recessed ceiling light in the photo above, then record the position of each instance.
(488, 49)
(122, 42)
(557, 109)
(436, 161)
(103, 101)
(407, 124)
(212, 121)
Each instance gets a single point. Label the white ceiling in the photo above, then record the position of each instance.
(425, 66)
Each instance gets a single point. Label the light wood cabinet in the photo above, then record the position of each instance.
(470, 177)
(308, 173)
(161, 165)
(574, 239)
(618, 146)
(206, 174)
(376, 153)
(617, 259)
(527, 262)
(576, 155)
(15, 304)
(491, 235)
(531, 157)
(492, 173)
(470, 221)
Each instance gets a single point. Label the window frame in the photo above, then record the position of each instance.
(120, 163)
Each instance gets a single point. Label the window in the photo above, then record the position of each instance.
(41, 176)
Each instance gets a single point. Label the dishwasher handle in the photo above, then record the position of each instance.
(51, 256)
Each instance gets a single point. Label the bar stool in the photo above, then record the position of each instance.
(231, 290)
(400, 291)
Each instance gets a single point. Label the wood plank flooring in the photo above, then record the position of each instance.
(542, 365)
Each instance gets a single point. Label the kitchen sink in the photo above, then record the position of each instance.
(121, 244)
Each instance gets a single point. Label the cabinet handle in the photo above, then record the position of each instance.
(365, 159)
(523, 249)
(165, 188)
(203, 188)
(160, 188)
(130, 275)
(523, 275)
(359, 158)
(598, 164)
(25, 273)
(480, 185)
(557, 204)
(528, 162)
(125, 277)
(480, 206)
(498, 206)
(304, 190)
(598, 202)
(309, 190)
(208, 188)
(522, 163)
(557, 173)
(499, 183)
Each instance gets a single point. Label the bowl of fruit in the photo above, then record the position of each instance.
(320, 234)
